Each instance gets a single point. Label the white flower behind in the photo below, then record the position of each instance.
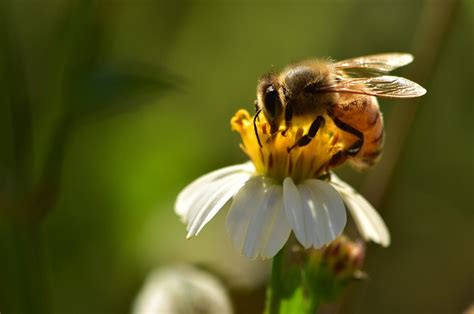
(181, 289)
(264, 212)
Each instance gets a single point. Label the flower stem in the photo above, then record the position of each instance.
(26, 289)
(313, 305)
(274, 294)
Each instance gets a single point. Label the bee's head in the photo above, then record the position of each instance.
(270, 100)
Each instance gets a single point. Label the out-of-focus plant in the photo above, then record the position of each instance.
(87, 86)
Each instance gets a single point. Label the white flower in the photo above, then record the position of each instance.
(264, 212)
(181, 289)
(279, 192)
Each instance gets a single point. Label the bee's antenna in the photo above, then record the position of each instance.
(255, 126)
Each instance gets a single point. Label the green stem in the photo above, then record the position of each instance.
(313, 305)
(25, 285)
(13, 67)
(274, 290)
(26, 289)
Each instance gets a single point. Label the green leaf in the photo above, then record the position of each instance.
(115, 89)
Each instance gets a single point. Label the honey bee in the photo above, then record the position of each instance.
(343, 91)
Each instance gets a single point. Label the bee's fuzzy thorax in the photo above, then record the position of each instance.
(298, 75)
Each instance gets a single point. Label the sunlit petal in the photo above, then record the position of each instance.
(188, 196)
(256, 223)
(314, 210)
(325, 214)
(278, 234)
(368, 221)
(294, 212)
(213, 198)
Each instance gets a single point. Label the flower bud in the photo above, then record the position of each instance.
(344, 258)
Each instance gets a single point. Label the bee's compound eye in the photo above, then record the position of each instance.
(272, 101)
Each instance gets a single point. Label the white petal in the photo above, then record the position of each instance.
(213, 199)
(368, 221)
(188, 196)
(294, 211)
(315, 211)
(242, 210)
(324, 211)
(206, 192)
(256, 221)
(278, 234)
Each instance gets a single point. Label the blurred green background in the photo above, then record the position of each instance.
(109, 108)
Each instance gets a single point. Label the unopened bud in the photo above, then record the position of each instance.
(344, 258)
(469, 310)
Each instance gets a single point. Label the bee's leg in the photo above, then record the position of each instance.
(336, 160)
(255, 129)
(355, 148)
(313, 130)
(288, 117)
(326, 176)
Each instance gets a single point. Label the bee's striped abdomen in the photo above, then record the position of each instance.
(362, 113)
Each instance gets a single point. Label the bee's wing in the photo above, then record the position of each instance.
(381, 86)
(378, 64)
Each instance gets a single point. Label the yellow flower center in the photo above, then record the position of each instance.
(274, 159)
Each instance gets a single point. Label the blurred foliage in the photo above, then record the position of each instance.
(77, 143)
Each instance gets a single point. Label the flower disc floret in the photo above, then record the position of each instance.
(277, 157)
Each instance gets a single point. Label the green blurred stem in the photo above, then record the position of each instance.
(313, 305)
(274, 294)
(12, 64)
(29, 291)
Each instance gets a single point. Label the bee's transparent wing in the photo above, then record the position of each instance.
(381, 86)
(378, 64)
